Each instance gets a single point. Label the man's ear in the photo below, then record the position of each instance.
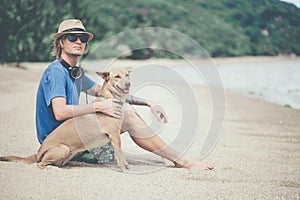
(104, 75)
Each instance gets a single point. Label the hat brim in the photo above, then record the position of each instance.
(58, 35)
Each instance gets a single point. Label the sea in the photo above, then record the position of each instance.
(272, 80)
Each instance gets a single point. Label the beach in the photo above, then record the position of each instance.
(257, 154)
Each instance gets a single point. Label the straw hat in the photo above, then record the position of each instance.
(71, 26)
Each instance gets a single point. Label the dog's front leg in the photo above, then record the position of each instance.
(116, 144)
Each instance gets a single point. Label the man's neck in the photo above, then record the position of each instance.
(70, 59)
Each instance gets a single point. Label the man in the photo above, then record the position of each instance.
(60, 87)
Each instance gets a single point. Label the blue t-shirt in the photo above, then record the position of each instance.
(56, 82)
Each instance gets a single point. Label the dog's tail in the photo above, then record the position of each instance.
(26, 160)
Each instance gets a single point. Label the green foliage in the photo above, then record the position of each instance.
(222, 27)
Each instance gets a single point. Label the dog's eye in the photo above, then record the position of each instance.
(117, 76)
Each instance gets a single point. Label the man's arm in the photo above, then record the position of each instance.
(138, 101)
(156, 109)
(62, 111)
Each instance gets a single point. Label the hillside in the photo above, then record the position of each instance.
(222, 27)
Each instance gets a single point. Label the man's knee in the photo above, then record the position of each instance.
(132, 120)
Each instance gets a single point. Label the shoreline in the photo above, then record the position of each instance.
(220, 63)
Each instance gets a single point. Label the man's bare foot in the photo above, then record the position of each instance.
(193, 163)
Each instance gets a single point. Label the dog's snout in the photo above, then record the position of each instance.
(128, 84)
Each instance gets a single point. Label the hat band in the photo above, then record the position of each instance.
(74, 29)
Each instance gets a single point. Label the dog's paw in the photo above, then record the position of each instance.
(51, 167)
(42, 165)
(124, 167)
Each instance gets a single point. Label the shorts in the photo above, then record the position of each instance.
(100, 155)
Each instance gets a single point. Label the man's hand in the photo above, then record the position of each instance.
(111, 107)
(159, 113)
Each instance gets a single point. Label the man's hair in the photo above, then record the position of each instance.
(57, 44)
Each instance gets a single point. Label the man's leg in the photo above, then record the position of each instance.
(144, 137)
(99, 155)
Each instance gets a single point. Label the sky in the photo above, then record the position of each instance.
(296, 2)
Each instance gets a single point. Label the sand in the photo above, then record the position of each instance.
(257, 155)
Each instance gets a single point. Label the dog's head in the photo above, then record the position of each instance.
(118, 78)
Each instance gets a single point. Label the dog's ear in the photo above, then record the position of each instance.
(104, 75)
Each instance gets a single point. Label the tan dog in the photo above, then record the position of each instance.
(85, 132)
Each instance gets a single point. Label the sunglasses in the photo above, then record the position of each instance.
(83, 37)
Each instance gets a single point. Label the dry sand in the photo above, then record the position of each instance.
(257, 156)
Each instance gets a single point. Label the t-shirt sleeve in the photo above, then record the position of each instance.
(54, 84)
(87, 83)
